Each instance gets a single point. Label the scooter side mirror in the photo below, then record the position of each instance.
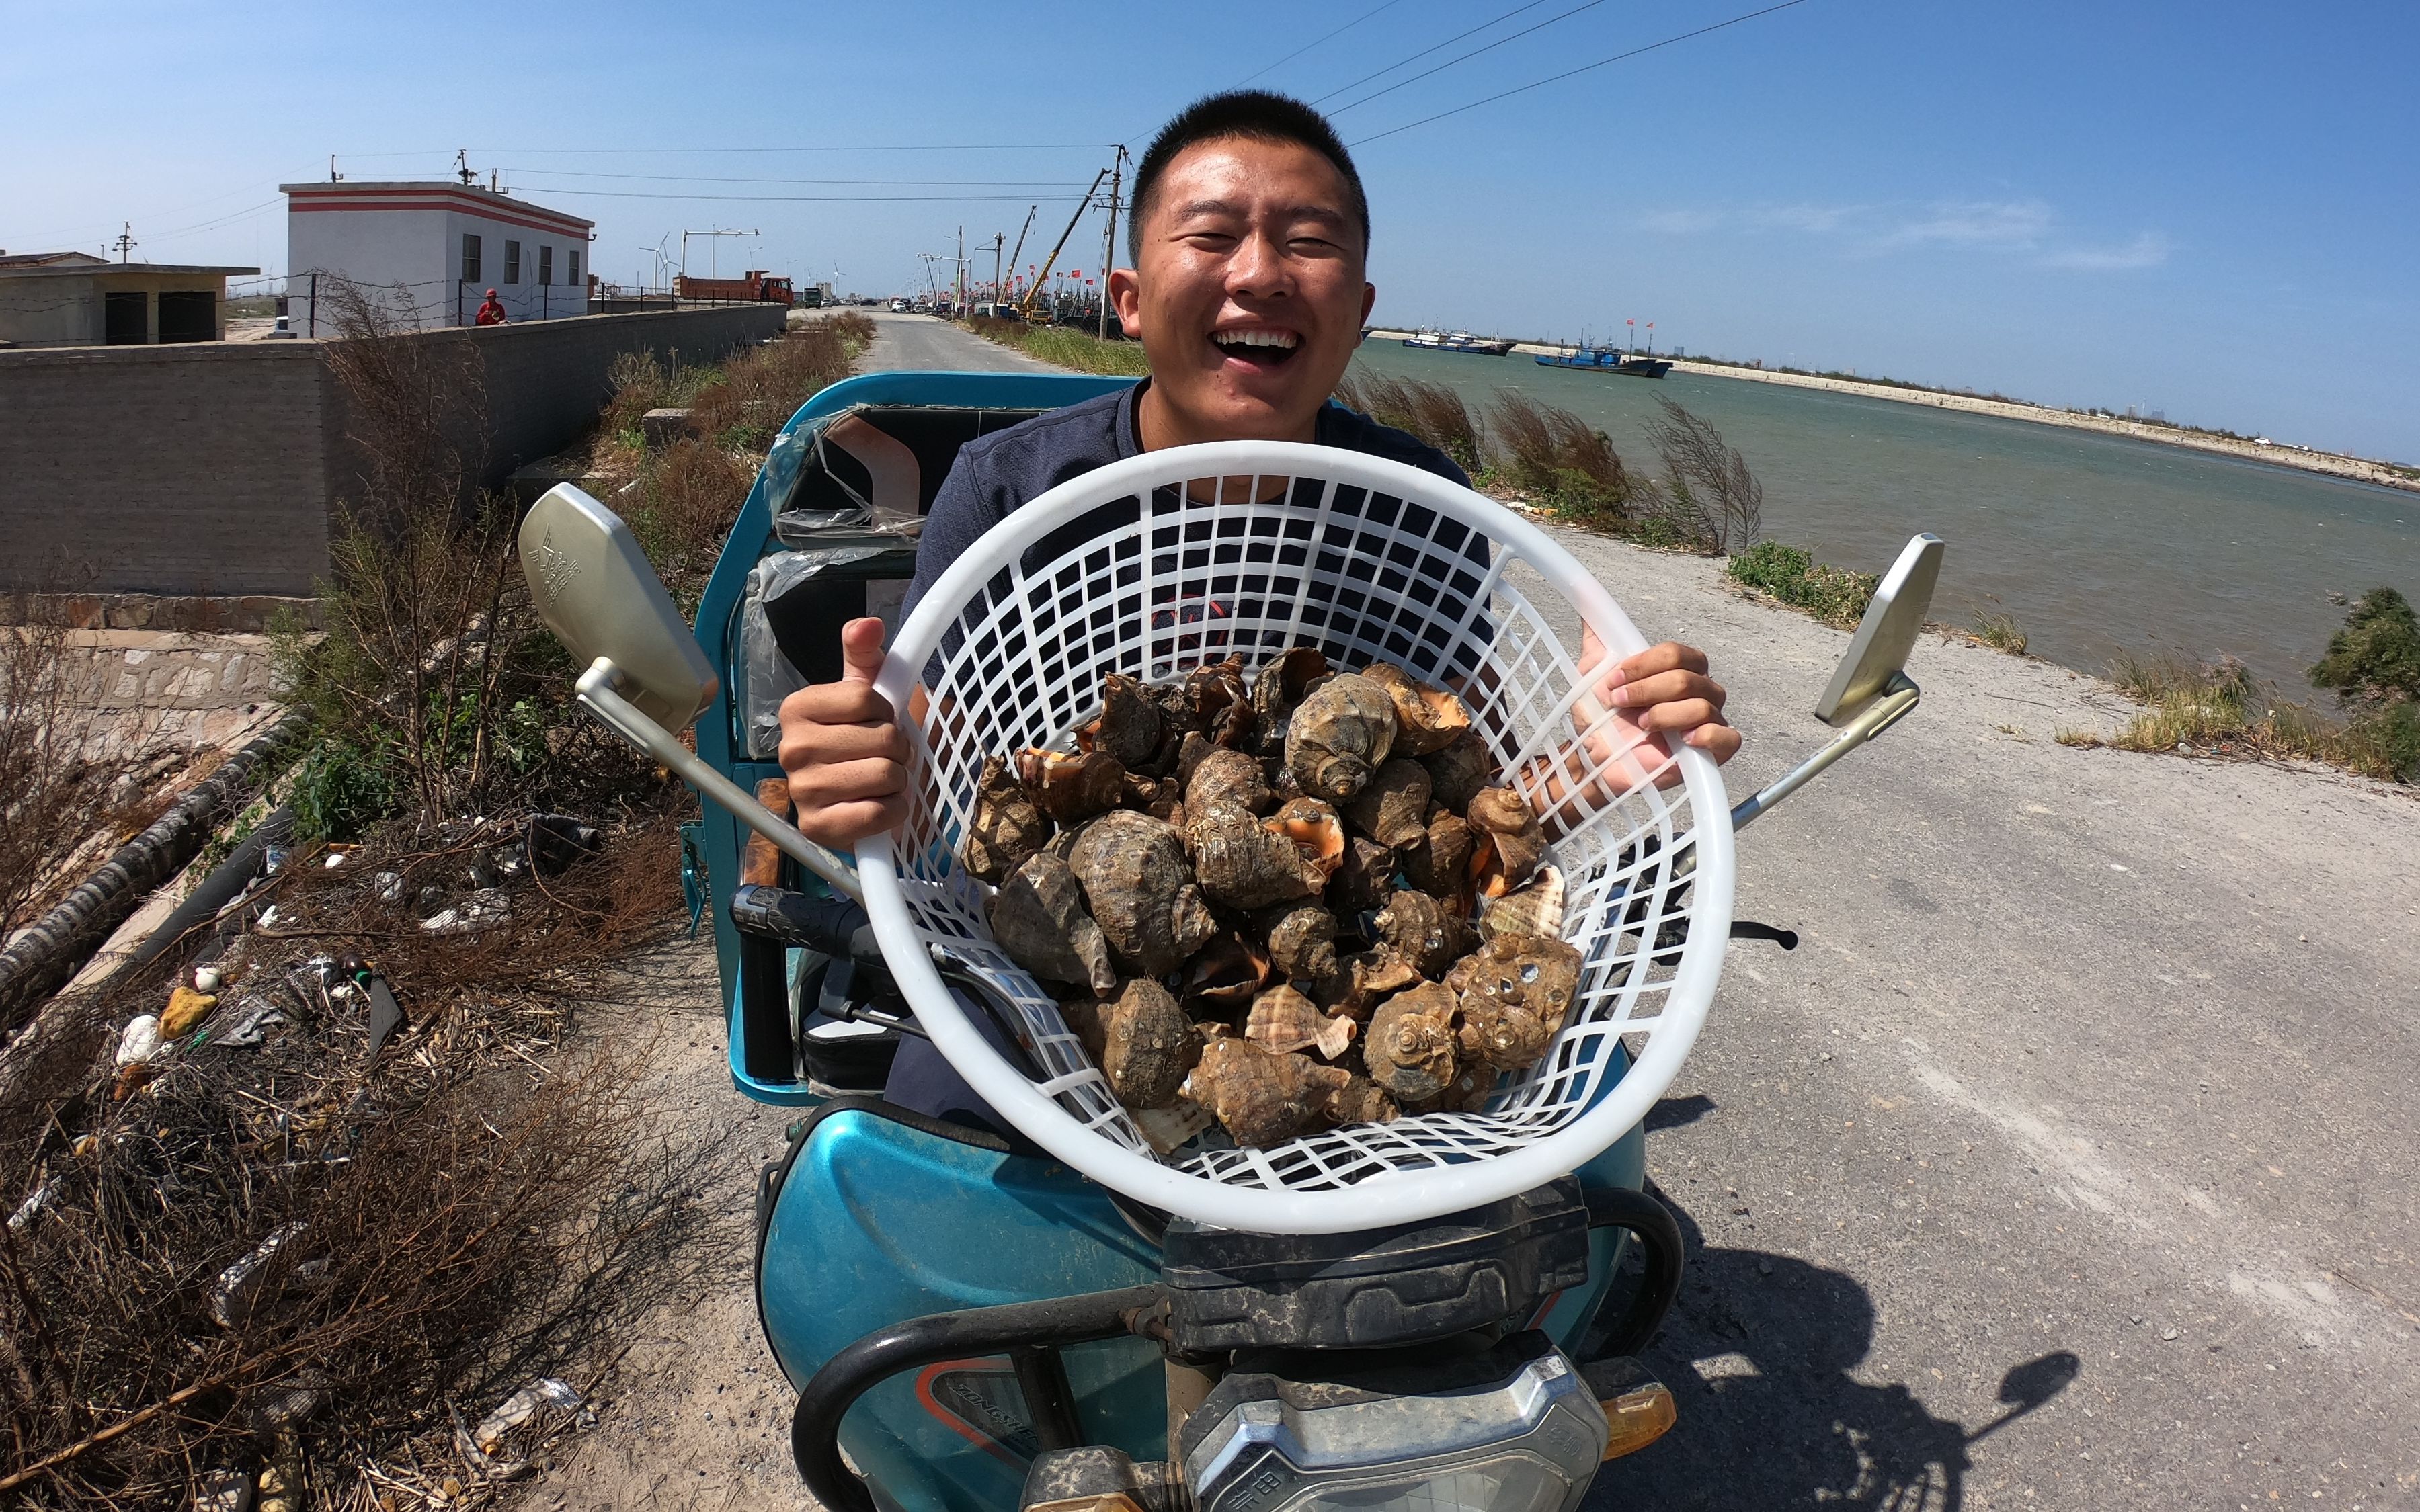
(1877, 654)
(596, 591)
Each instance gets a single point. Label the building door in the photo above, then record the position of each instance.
(125, 318)
(188, 314)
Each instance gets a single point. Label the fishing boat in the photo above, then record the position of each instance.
(1600, 360)
(1459, 341)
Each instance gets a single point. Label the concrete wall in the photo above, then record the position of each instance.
(215, 469)
(66, 308)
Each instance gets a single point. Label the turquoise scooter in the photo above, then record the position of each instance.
(971, 1322)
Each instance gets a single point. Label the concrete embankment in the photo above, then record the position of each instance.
(2359, 470)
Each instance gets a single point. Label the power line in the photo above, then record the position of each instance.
(697, 178)
(805, 199)
(1584, 68)
(1589, 5)
(1307, 46)
(1426, 50)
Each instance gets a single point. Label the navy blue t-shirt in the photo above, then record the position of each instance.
(1010, 468)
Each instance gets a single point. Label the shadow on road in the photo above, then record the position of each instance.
(1758, 1352)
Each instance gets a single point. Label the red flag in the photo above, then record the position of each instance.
(1630, 322)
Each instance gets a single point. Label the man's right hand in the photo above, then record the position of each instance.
(844, 750)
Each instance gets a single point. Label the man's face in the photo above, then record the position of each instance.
(1247, 294)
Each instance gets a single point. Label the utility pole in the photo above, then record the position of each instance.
(1110, 237)
(962, 272)
(125, 243)
(463, 170)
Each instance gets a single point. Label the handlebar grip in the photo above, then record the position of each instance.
(835, 926)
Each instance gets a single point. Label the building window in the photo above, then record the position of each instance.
(512, 261)
(470, 257)
(545, 264)
(571, 267)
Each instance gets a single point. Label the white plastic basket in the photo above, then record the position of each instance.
(1245, 548)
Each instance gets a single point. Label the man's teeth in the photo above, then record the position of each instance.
(1285, 339)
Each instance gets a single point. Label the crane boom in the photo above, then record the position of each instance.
(1025, 306)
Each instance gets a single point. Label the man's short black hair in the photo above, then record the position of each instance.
(1255, 113)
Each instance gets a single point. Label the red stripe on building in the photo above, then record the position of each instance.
(384, 200)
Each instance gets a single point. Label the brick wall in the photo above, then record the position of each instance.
(213, 469)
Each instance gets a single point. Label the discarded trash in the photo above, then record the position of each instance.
(272, 857)
(186, 1008)
(557, 841)
(388, 887)
(206, 978)
(268, 917)
(251, 1027)
(141, 1040)
(523, 1405)
(239, 1285)
(224, 1490)
(32, 1205)
(281, 1480)
(292, 1401)
(335, 858)
(483, 910)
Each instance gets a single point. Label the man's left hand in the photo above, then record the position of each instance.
(1664, 693)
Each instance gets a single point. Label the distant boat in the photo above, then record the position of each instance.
(1460, 341)
(1598, 360)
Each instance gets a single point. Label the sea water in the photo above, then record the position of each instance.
(2095, 544)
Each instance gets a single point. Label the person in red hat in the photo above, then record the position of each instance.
(491, 311)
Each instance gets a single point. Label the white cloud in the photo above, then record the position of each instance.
(1999, 224)
(2148, 249)
(1816, 219)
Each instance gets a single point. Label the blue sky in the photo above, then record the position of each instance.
(2210, 210)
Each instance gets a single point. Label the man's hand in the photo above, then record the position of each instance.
(844, 750)
(1664, 692)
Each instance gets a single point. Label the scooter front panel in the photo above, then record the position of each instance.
(874, 1222)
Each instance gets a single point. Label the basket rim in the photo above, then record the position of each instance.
(1399, 1197)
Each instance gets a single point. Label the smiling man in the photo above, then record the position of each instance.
(1249, 238)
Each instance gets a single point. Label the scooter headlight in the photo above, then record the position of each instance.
(1520, 1432)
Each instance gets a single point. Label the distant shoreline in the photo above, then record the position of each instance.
(2353, 468)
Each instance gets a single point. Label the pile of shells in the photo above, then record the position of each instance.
(1283, 902)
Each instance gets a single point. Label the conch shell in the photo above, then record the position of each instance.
(1534, 908)
(1225, 779)
(1280, 686)
(1070, 786)
(1338, 736)
(1427, 719)
(1418, 928)
(1038, 917)
(1129, 725)
(1365, 875)
(1410, 1046)
(1507, 844)
(1260, 1098)
(1133, 871)
(1392, 809)
(1149, 1045)
(1215, 701)
(1361, 982)
(1226, 974)
(1245, 863)
(1458, 771)
(1302, 943)
(1169, 1128)
(1007, 825)
(1359, 1101)
(1538, 975)
(1283, 1019)
(1315, 830)
(1439, 863)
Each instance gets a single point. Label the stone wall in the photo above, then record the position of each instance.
(213, 469)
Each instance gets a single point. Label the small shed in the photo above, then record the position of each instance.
(431, 251)
(74, 299)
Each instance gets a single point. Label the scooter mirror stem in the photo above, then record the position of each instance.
(1898, 696)
(598, 690)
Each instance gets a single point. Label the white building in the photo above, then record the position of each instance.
(442, 245)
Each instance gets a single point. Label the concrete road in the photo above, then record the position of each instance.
(911, 342)
(2070, 1161)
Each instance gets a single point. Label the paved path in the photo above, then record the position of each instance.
(911, 342)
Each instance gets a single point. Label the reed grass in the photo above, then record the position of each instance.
(2217, 708)
(1067, 347)
(2000, 631)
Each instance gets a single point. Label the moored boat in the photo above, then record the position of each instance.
(1459, 341)
(1599, 359)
